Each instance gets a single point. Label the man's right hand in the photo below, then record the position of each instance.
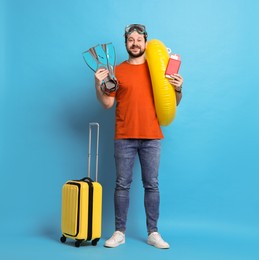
(100, 75)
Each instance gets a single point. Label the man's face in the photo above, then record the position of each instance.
(135, 44)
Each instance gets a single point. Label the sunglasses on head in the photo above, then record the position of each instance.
(141, 29)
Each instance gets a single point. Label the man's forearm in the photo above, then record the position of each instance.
(105, 100)
(178, 97)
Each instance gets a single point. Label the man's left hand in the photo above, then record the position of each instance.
(177, 81)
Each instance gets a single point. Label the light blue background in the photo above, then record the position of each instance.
(209, 166)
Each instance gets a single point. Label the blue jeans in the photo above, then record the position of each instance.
(149, 155)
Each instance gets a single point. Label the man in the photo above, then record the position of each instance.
(137, 131)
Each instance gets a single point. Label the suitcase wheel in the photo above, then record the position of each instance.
(63, 239)
(95, 241)
(78, 243)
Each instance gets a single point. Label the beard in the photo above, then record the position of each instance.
(137, 54)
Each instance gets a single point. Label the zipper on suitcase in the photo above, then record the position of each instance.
(90, 211)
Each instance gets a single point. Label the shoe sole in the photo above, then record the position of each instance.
(113, 246)
(158, 246)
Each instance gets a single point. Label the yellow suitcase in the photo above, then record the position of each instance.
(81, 216)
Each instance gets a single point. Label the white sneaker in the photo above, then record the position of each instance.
(117, 239)
(154, 239)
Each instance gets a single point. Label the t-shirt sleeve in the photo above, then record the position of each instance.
(112, 94)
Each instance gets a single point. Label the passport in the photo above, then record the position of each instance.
(173, 65)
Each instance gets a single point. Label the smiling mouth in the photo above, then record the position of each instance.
(135, 47)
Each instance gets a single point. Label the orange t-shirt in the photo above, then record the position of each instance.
(135, 109)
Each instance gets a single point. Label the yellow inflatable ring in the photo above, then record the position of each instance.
(164, 94)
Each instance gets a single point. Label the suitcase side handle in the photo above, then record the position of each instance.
(97, 149)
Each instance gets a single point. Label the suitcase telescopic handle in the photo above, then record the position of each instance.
(97, 149)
